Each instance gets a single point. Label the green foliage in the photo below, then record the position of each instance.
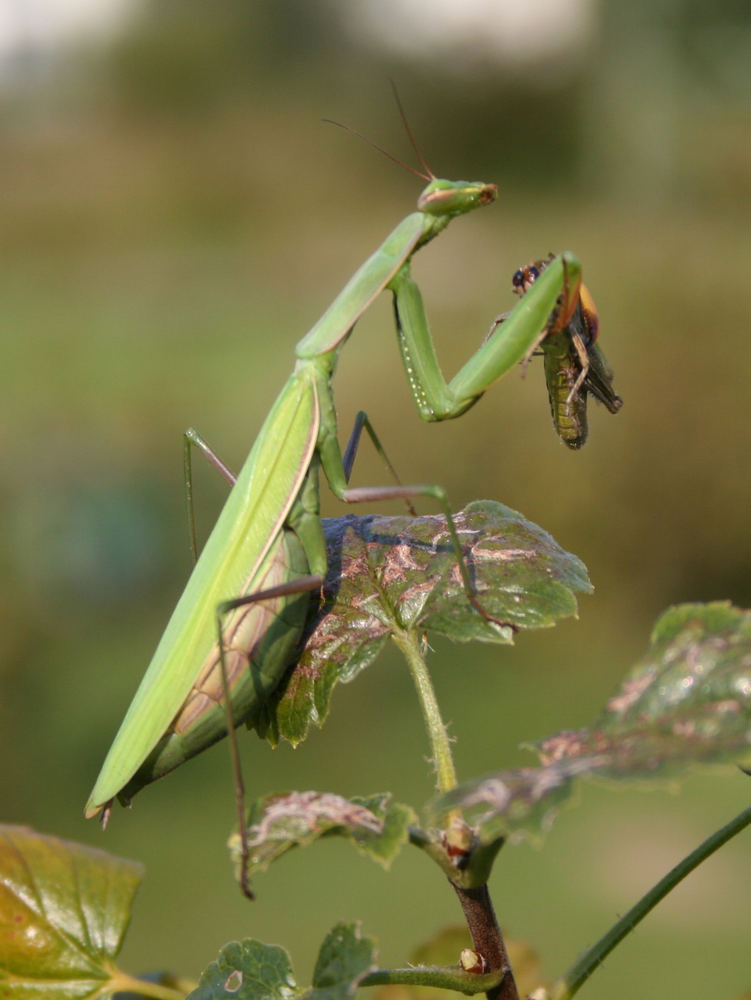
(64, 910)
(277, 823)
(396, 574)
(249, 970)
(688, 701)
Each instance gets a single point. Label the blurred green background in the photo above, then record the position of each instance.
(174, 216)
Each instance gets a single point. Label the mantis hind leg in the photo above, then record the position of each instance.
(362, 422)
(191, 437)
(300, 585)
(304, 533)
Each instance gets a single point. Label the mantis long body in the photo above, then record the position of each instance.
(247, 597)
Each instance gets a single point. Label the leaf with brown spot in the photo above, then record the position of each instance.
(389, 573)
(377, 826)
(687, 702)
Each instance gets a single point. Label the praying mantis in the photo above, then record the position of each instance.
(238, 622)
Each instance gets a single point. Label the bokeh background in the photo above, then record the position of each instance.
(174, 216)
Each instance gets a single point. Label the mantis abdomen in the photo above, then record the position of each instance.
(260, 641)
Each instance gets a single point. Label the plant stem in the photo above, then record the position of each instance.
(437, 977)
(586, 965)
(121, 982)
(487, 939)
(440, 746)
(475, 901)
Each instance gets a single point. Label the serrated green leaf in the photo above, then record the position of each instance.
(64, 910)
(251, 970)
(248, 970)
(377, 826)
(344, 959)
(397, 573)
(687, 702)
(518, 804)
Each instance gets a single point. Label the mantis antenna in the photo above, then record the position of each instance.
(428, 175)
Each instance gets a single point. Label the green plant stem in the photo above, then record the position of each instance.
(586, 965)
(435, 976)
(475, 901)
(440, 745)
(121, 982)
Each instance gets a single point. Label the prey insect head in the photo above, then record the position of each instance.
(525, 277)
(569, 303)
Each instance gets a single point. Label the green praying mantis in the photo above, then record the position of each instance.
(238, 622)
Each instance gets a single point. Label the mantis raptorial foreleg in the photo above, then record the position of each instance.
(502, 349)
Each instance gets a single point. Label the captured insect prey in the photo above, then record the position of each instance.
(574, 364)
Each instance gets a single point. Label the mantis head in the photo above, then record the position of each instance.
(451, 198)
